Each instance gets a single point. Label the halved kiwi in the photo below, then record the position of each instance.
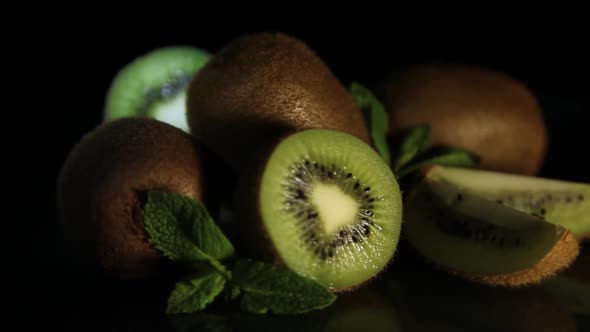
(154, 85)
(329, 207)
(101, 189)
(563, 203)
(481, 240)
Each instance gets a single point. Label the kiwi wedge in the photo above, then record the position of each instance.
(563, 203)
(101, 189)
(154, 85)
(481, 240)
(262, 86)
(329, 206)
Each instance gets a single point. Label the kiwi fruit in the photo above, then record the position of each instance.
(101, 191)
(560, 202)
(481, 240)
(262, 86)
(154, 85)
(328, 206)
(479, 109)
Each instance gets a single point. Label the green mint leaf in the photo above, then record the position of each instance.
(182, 229)
(442, 156)
(195, 294)
(268, 288)
(376, 117)
(411, 142)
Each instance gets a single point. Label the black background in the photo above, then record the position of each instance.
(64, 66)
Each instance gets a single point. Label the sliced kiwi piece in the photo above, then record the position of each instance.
(482, 240)
(559, 202)
(262, 86)
(330, 206)
(154, 85)
(102, 186)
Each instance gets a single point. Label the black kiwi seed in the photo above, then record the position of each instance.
(349, 175)
(568, 199)
(499, 201)
(580, 197)
(356, 186)
(459, 197)
(543, 211)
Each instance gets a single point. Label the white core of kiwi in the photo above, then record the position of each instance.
(173, 111)
(336, 208)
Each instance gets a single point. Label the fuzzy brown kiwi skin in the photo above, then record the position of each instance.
(485, 111)
(562, 255)
(260, 86)
(101, 190)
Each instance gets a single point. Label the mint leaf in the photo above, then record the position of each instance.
(376, 117)
(442, 156)
(182, 229)
(412, 142)
(196, 293)
(267, 288)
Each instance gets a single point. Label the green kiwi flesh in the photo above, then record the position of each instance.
(466, 233)
(563, 203)
(154, 85)
(331, 207)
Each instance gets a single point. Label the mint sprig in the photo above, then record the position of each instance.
(413, 142)
(196, 293)
(267, 288)
(376, 117)
(183, 230)
(413, 151)
(441, 156)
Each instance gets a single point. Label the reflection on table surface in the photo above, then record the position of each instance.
(409, 296)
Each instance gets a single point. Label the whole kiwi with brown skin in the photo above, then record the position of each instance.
(471, 107)
(102, 185)
(259, 87)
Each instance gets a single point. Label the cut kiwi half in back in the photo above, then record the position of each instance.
(563, 203)
(482, 240)
(154, 85)
(330, 206)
